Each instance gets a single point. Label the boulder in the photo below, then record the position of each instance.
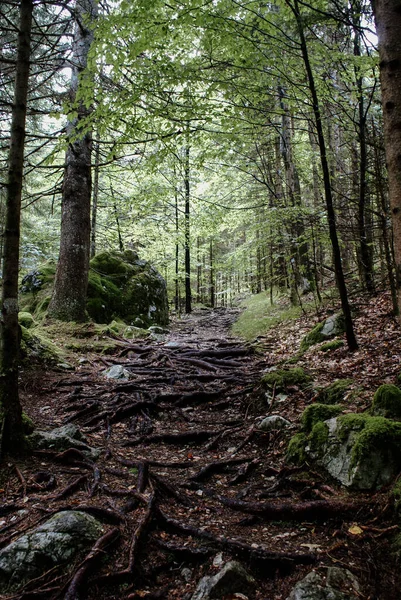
(231, 579)
(60, 439)
(335, 584)
(123, 286)
(55, 542)
(334, 325)
(360, 451)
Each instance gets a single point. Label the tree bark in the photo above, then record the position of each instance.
(68, 302)
(188, 296)
(388, 24)
(12, 430)
(349, 328)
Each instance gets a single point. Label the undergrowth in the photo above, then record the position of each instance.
(260, 315)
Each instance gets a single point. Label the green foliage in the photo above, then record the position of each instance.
(387, 402)
(335, 392)
(282, 379)
(316, 413)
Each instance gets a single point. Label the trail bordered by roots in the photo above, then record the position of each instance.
(185, 480)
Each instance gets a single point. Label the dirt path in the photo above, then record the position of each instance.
(187, 477)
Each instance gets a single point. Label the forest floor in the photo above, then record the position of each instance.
(187, 479)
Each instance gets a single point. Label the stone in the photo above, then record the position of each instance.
(231, 579)
(335, 584)
(334, 325)
(360, 451)
(121, 286)
(117, 372)
(273, 422)
(55, 542)
(158, 330)
(62, 438)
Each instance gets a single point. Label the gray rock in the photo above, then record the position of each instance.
(55, 542)
(158, 330)
(333, 325)
(372, 470)
(337, 584)
(232, 578)
(273, 422)
(60, 439)
(117, 372)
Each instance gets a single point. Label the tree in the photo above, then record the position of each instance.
(12, 430)
(68, 302)
(388, 25)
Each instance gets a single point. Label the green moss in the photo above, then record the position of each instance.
(26, 319)
(120, 287)
(333, 345)
(387, 402)
(335, 392)
(281, 379)
(296, 448)
(318, 436)
(313, 337)
(27, 424)
(318, 412)
(375, 434)
(35, 345)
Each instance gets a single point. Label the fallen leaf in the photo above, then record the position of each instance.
(355, 530)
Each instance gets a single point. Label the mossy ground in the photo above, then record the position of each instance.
(282, 379)
(335, 392)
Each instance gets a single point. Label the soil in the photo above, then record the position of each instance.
(184, 474)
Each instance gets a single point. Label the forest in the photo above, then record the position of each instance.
(200, 381)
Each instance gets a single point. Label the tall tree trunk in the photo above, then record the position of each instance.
(388, 25)
(68, 302)
(95, 200)
(212, 275)
(11, 427)
(188, 298)
(366, 253)
(349, 328)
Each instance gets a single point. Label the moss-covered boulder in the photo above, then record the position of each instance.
(334, 325)
(387, 402)
(282, 379)
(335, 392)
(124, 287)
(318, 412)
(121, 287)
(359, 450)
